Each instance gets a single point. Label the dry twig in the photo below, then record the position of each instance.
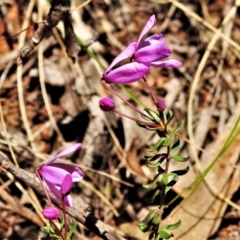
(60, 10)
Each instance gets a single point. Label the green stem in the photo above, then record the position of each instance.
(163, 195)
(57, 229)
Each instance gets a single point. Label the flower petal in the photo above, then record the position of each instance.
(74, 171)
(56, 172)
(152, 53)
(126, 53)
(56, 191)
(159, 38)
(167, 63)
(151, 22)
(127, 73)
(66, 151)
(66, 185)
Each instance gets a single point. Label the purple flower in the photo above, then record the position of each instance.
(106, 104)
(146, 53)
(54, 174)
(51, 213)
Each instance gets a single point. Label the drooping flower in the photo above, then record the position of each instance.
(106, 104)
(51, 213)
(54, 174)
(146, 53)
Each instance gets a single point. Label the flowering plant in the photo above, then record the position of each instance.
(151, 52)
(59, 178)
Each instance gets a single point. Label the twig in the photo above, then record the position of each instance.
(79, 213)
(59, 11)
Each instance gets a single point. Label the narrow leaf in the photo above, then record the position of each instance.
(153, 182)
(172, 226)
(166, 142)
(152, 198)
(169, 116)
(157, 145)
(153, 115)
(72, 229)
(175, 146)
(164, 234)
(154, 165)
(181, 171)
(179, 158)
(177, 129)
(143, 227)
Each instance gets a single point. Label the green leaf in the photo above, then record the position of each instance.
(166, 142)
(177, 129)
(164, 234)
(154, 165)
(169, 116)
(164, 180)
(72, 229)
(175, 146)
(145, 224)
(172, 226)
(153, 182)
(171, 183)
(149, 216)
(181, 171)
(61, 222)
(144, 227)
(167, 188)
(154, 115)
(179, 158)
(152, 198)
(147, 118)
(157, 217)
(157, 145)
(155, 157)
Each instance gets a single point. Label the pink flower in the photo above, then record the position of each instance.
(54, 174)
(146, 53)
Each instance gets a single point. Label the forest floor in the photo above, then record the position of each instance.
(48, 102)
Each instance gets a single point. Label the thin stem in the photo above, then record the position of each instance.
(43, 186)
(150, 90)
(57, 229)
(65, 219)
(137, 120)
(163, 195)
(119, 96)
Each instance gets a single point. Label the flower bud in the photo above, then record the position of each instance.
(66, 185)
(106, 104)
(160, 104)
(51, 213)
